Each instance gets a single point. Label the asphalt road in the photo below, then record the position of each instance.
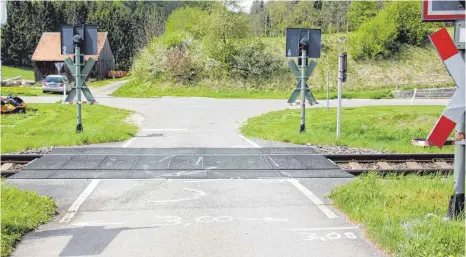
(197, 217)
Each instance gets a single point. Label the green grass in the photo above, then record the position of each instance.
(383, 128)
(55, 124)
(21, 91)
(22, 212)
(11, 72)
(403, 214)
(100, 83)
(139, 89)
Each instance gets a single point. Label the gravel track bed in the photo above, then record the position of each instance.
(337, 149)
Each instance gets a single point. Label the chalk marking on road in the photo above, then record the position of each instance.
(177, 220)
(198, 194)
(166, 158)
(274, 163)
(330, 214)
(199, 160)
(250, 141)
(211, 168)
(318, 229)
(161, 130)
(80, 200)
(127, 143)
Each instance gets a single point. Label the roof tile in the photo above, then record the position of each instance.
(48, 48)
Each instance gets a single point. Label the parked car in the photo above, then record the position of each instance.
(56, 83)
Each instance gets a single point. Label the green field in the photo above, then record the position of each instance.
(54, 125)
(11, 72)
(403, 214)
(383, 128)
(22, 212)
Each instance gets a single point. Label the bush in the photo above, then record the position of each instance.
(377, 37)
(360, 12)
(149, 64)
(181, 66)
(186, 20)
(407, 16)
(398, 23)
(252, 61)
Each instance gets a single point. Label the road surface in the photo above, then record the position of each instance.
(195, 217)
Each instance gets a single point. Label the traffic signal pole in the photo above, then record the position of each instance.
(303, 90)
(77, 58)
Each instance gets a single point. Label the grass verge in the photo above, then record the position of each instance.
(383, 128)
(21, 91)
(9, 72)
(22, 212)
(101, 83)
(55, 124)
(403, 214)
(139, 89)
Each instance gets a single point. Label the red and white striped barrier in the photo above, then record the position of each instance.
(83, 102)
(454, 63)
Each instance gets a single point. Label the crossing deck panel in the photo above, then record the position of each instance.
(181, 163)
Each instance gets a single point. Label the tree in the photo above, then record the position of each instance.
(223, 24)
(259, 18)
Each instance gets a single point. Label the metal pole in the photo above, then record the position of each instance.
(328, 88)
(303, 90)
(456, 205)
(79, 126)
(340, 85)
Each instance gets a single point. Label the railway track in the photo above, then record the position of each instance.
(353, 163)
(13, 163)
(394, 163)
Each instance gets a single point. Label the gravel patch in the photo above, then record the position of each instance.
(337, 149)
(42, 150)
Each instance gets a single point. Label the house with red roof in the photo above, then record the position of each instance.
(48, 52)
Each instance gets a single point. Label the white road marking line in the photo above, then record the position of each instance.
(250, 141)
(330, 214)
(199, 194)
(276, 164)
(199, 160)
(80, 200)
(158, 130)
(127, 143)
(318, 229)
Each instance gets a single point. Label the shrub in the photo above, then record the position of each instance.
(181, 66)
(360, 12)
(252, 61)
(407, 15)
(186, 20)
(149, 64)
(377, 37)
(398, 23)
